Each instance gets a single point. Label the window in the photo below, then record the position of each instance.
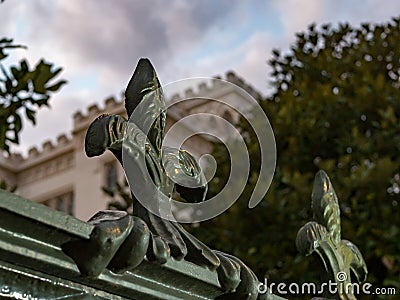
(111, 173)
(228, 116)
(63, 202)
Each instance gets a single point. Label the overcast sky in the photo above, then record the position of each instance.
(98, 42)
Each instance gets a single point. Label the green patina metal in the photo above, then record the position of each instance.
(46, 254)
(33, 265)
(120, 242)
(324, 237)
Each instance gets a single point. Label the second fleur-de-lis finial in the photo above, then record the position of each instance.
(324, 238)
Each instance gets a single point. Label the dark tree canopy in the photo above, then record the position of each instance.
(336, 106)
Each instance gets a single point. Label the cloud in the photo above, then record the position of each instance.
(99, 42)
(113, 37)
(248, 60)
(297, 14)
(101, 38)
(253, 68)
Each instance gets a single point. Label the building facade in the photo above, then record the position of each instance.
(61, 176)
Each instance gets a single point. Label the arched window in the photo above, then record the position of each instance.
(228, 116)
(111, 175)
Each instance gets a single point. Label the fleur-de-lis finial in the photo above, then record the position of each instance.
(324, 238)
(120, 242)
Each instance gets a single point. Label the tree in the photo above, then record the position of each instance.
(335, 107)
(120, 196)
(23, 89)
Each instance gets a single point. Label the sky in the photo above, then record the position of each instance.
(98, 43)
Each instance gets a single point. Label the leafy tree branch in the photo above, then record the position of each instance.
(23, 89)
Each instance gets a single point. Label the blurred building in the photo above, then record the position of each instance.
(61, 176)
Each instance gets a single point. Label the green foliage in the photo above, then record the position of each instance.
(336, 107)
(5, 186)
(121, 198)
(22, 89)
